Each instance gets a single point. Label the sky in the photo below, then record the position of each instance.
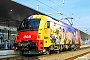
(79, 10)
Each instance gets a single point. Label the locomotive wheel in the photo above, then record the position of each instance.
(47, 52)
(57, 52)
(77, 47)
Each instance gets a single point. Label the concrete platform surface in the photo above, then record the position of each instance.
(84, 46)
(9, 53)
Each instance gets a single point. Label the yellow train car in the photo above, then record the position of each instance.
(42, 34)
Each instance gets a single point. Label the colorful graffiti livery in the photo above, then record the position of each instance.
(42, 34)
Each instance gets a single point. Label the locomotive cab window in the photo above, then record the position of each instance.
(48, 24)
(31, 24)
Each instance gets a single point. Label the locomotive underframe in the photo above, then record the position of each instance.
(56, 48)
(32, 48)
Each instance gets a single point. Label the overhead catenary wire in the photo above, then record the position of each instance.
(66, 10)
(48, 6)
(63, 8)
(45, 5)
(60, 6)
(53, 8)
(36, 4)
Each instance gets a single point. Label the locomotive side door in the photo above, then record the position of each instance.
(47, 32)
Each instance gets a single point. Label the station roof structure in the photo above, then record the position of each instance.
(12, 13)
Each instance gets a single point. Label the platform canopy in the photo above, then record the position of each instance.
(12, 13)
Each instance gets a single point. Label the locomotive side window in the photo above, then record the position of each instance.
(31, 24)
(48, 24)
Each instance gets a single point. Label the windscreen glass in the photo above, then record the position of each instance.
(30, 24)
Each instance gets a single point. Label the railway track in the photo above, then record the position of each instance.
(66, 55)
(74, 57)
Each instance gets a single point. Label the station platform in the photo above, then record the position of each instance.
(12, 53)
(88, 45)
(83, 46)
(9, 53)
